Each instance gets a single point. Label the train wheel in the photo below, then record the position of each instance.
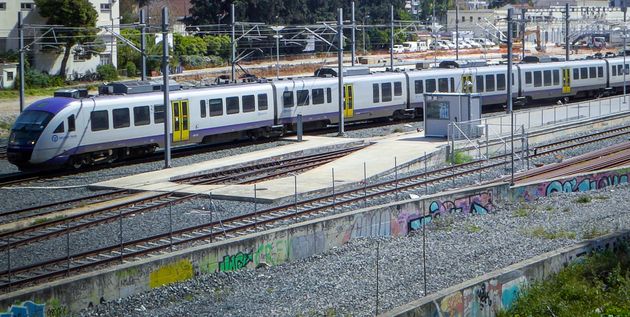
(76, 163)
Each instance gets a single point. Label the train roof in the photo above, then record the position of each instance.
(53, 105)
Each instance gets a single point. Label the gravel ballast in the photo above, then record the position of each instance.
(343, 280)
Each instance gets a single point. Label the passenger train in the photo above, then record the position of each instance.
(59, 131)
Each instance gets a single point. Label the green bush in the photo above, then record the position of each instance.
(131, 69)
(195, 61)
(107, 72)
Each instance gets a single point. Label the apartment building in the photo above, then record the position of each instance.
(45, 54)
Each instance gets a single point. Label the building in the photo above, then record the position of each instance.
(46, 55)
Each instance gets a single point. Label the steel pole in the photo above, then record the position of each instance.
(456, 31)
(340, 73)
(143, 44)
(233, 57)
(567, 45)
(21, 31)
(277, 54)
(167, 103)
(391, 39)
(625, 69)
(509, 87)
(354, 26)
(523, 28)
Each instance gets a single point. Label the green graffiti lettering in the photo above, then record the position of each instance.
(235, 262)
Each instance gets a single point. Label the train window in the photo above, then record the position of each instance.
(318, 96)
(479, 82)
(262, 102)
(600, 71)
(452, 84)
(626, 70)
(59, 128)
(121, 118)
(249, 103)
(537, 79)
(216, 107)
(500, 81)
(614, 70)
(376, 93)
(71, 125)
(431, 85)
(547, 77)
(158, 113)
(99, 120)
(619, 70)
(419, 86)
(141, 116)
(592, 72)
(443, 84)
(576, 73)
(232, 105)
(583, 73)
(397, 88)
(386, 91)
(528, 78)
(302, 97)
(287, 99)
(556, 77)
(489, 82)
(202, 108)
(328, 95)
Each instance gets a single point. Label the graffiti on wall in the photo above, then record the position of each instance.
(267, 253)
(482, 299)
(26, 309)
(479, 203)
(573, 184)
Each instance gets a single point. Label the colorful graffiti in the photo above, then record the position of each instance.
(573, 184)
(479, 203)
(483, 299)
(26, 309)
(174, 272)
(268, 253)
(235, 262)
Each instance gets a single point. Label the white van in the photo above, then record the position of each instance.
(398, 48)
(410, 47)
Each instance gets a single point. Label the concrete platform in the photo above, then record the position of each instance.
(379, 158)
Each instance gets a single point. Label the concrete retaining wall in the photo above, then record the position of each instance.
(281, 245)
(485, 295)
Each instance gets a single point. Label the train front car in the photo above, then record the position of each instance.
(34, 143)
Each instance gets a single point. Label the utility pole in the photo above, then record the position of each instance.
(523, 28)
(143, 45)
(509, 86)
(354, 27)
(233, 45)
(21, 31)
(567, 45)
(456, 31)
(391, 39)
(625, 69)
(167, 102)
(340, 72)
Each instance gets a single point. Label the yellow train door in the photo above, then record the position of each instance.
(348, 104)
(566, 80)
(467, 84)
(181, 122)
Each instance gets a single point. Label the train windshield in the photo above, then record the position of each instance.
(28, 126)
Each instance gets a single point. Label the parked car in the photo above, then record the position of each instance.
(423, 47)
(472, 43)
(463, 45)
(410, 47)
(398, 48)
(438, 46)
(448, 43)
(484, 42)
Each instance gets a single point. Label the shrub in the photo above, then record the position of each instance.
(195, 61)
(107, 72)
(131, 69)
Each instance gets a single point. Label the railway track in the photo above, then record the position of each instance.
(263, 219)
(80, 221)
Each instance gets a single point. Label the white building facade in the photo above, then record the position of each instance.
(46, 53)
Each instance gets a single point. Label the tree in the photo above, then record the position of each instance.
(79, 15)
